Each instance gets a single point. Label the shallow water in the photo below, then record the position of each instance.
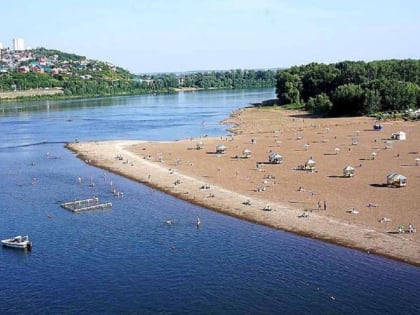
(127, 260)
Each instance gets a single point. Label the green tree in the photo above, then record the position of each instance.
(320, 104)
(348, 99)
(288, 88)
(372, 101)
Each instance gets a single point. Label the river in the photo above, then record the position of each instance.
(127, 260)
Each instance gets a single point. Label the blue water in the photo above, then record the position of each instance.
(127, 260)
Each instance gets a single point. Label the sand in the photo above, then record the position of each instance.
(31, 92)
(225, 182)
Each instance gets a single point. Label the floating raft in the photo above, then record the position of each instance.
(85, 205)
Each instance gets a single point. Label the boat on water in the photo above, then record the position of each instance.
(19, 241)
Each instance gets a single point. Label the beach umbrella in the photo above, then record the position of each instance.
(221, 148)
(200, 145)
(275, 158)
(246, 152)
(310, 164)
(348, 171)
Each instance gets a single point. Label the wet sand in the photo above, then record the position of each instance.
(225, 182)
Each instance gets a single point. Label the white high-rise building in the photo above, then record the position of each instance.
(18, 44)
(1, 46)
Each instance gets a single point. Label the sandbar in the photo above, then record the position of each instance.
(360, 212)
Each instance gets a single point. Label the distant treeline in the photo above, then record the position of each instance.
(352, 88)
(109, 83)
(233, 79)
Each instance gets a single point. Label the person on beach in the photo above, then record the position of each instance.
(325, 205)
(411, 229)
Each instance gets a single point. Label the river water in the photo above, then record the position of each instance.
(127, 260)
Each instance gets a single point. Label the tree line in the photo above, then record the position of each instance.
(109, 83)
(232, 79)
(351, 87)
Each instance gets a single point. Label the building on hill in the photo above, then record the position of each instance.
(23, 69)
(18, 44)
(38, 69)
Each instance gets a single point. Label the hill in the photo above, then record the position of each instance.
(32, 72)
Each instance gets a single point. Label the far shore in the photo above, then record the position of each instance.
(360, 212)
(58, 94)
(31, 93)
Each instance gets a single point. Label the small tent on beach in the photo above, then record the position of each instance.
(400, 135)
(310, 165)
(221, 149)
(378, 127)
(246, 153)
(348, 171)
(396, 180)
(275, 158)
(199, 145)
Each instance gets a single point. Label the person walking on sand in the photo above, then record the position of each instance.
(411, 229)
(325, 205)
(319, 204)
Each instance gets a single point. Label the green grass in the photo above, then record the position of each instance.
(294, 106)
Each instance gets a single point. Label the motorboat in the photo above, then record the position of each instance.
(19, 241)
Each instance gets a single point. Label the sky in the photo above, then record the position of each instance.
(145, 36)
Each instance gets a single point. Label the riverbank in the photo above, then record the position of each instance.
(32, 93)
(361, 212)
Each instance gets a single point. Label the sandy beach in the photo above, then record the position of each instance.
(31, 92)
(360, 212)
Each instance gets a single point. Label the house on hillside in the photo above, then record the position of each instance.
(55, 71)
(37, 69)
(23, 69)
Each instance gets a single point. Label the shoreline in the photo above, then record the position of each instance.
(178, 173)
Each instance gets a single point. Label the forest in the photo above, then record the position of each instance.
(105, 82)
(351, 88)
